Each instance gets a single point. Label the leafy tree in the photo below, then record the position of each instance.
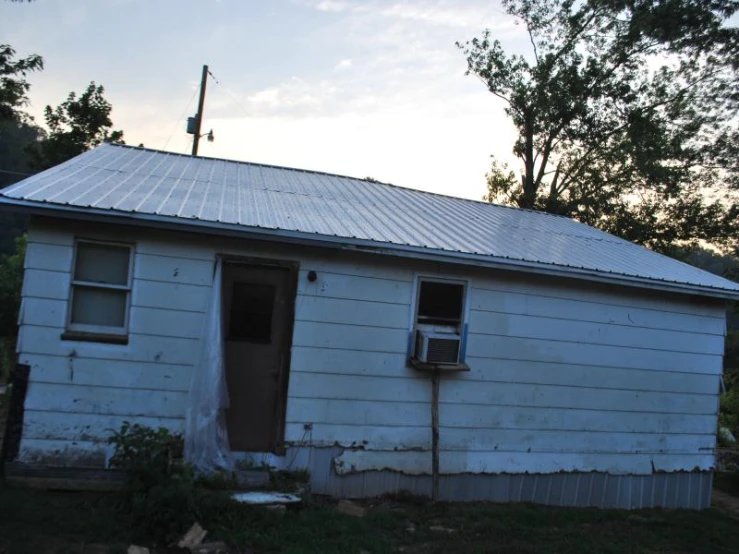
(726, 265)
(17, 130)
(13, 84)
(17, 133)
(75, 126)
(11, 279)
(626, 113)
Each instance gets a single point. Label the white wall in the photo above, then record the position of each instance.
(565, 376)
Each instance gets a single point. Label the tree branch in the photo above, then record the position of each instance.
(533, 42)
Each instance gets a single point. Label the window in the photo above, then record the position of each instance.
(251, 313)
(101, 287)
(439, 323)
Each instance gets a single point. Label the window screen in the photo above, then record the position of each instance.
(440, 303)
(92, 306)
(100, 287)
(102, 263)
(251, 312)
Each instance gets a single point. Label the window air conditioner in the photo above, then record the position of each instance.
(437, 348)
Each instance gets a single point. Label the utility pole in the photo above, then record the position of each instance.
(199, 115)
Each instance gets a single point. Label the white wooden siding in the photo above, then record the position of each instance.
(565, 376)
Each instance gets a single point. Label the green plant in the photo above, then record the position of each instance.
(729, 411)
(161, 495)
(149, 456)
(289, 481)
(219, 481)
(11, 279)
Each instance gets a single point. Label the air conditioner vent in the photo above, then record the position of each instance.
(437, 348)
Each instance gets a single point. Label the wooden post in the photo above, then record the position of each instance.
(199, 115)
(435, 435)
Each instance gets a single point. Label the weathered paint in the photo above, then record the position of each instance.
(565, 377)
(453, 462)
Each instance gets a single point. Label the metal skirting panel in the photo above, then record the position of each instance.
(63, 478)
(690, 490)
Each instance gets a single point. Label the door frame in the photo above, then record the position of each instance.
(293, 269)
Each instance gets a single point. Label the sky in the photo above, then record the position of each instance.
(354, 87)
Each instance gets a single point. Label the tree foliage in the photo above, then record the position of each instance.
(13, 84)
(626, 113)
(17, 129)
(11, 277)
(75, 126)
(18, 132)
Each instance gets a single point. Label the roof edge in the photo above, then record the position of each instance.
(363, 245)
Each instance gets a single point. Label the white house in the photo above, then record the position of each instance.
(573, 367)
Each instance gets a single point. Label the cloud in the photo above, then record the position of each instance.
(474, 13)
(406, 52)
(296, 97)
(433, 14)
(331, 6)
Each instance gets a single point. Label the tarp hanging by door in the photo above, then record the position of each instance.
(206, 438)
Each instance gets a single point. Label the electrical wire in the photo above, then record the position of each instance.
(179, 119)
(16, 172)
(296, 449)
(235, 99)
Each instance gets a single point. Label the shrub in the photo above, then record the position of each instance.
(161, 495)
(149, 456)
(729, 413)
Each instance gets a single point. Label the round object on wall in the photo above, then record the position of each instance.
(312, 276)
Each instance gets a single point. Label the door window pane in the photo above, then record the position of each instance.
(251, 312)
(94, 306)
(102, 263)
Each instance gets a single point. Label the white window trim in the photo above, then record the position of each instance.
(100, 329)
(464, 327)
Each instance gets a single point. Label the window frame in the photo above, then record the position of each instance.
(463, 332)
(99, 333)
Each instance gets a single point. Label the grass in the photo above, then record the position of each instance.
(56, 522)
(727, 481)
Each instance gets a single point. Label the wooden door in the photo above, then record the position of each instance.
(257, 325)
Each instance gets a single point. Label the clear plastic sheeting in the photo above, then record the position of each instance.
(206, 437)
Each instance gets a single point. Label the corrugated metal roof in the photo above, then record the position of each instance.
(137, 181)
